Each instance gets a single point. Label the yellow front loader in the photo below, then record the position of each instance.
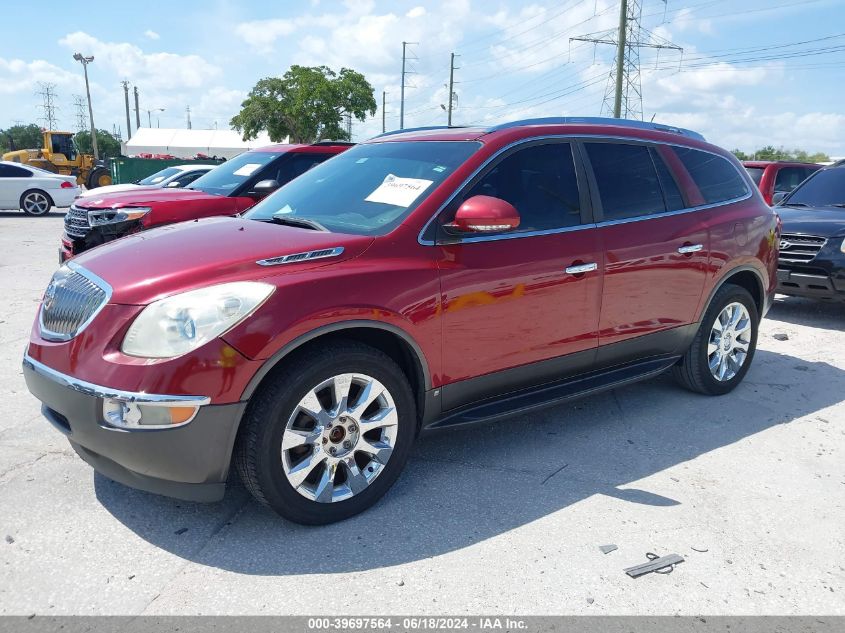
(59, 155)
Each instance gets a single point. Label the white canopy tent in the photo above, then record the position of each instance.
(187, 143)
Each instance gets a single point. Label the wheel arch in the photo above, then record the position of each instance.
(390, 339)
(747, 277)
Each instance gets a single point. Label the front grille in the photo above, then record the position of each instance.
(71, 301)
(76, 222)
(800, 249)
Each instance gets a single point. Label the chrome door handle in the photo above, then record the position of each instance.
(581, 268)
(691, 248)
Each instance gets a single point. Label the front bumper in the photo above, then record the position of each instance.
(187, 462)
(94, 236)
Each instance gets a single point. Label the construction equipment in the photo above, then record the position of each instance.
(60, 155)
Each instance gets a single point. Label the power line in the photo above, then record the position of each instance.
(80, 104)
(405, 72)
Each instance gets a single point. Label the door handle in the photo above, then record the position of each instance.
(579, 269)
(688, 249)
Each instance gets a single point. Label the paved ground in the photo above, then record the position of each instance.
(749, 488)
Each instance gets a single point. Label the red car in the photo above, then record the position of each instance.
(773, 177)
(420, 280)
(227, 189)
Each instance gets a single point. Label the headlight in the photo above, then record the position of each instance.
(842, 245)
(112, 216)
(181, 323)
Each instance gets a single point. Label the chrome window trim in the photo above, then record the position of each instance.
(98, 391)
(308, 256)
(489, 238)
(48, 334)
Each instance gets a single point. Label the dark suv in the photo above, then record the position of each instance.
(812, 247)
(420, 280)
(227, 189)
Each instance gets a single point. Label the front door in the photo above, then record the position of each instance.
(510, 308)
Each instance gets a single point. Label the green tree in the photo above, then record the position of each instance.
(107, 145)
(307, 104)
(20, 137)
(740, 154)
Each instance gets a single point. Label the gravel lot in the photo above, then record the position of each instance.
(504, 519)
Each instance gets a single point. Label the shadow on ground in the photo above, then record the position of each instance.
(54, 213)
(464, 486)
(828, 315)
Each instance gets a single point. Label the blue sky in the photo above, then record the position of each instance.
(516, 61)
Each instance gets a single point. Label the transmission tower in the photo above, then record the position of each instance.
(623, 97)
(81, 116)
(47, 92)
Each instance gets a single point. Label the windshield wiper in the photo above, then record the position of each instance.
(302, 223)
(794, 204)
(838, 204)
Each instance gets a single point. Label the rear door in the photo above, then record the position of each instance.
(655, 253)
(514, 311)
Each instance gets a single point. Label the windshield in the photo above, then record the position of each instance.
(824, 188)
(159, 176)
(224, 179)
(369, 189)
(756, 174)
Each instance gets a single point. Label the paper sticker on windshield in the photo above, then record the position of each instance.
(400, 192)
(247, 170)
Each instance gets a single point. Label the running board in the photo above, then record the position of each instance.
(554, 393)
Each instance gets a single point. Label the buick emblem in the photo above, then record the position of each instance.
(50, 296)
(785, 244)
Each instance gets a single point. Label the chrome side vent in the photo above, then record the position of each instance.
(294, 258)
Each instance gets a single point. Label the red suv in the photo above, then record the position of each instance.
(778, 177)
(227, 189)
(423, 279)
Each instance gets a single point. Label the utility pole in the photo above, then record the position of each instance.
(137, 111)
(349, 125)
(125, 85)
(47, 92)
(402, 89)
(79, 104)
(620, 58)
(188, 112)
(383, 111)
(85, 61)
(452, 96)
(150, 116)
(623, 96)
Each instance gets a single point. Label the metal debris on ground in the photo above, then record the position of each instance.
(658, 564)
(699, 549)
(780, 336)
(606, 549)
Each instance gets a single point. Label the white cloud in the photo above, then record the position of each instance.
(155, 71)
(261, 35)
(19, 76)
(416, 12)
(151, 35)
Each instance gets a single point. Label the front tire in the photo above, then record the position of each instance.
(724, 345)
(327, 434)
(36, 202)
(99, 177)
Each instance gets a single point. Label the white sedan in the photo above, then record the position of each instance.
(34, 190)
(170, 177)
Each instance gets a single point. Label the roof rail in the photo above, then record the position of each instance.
(642, 125)
(331, 142)
(418, 129)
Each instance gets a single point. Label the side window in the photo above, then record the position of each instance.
(716, 177)
(296, 165)
(671, 193)
(788, 178)
(626, 179)
(187, 178)
(540, 182)
(11, 171)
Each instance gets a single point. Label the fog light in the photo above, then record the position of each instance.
(131, 415)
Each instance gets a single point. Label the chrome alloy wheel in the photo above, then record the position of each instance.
(730, 338)
(36, 203)
(339, 437)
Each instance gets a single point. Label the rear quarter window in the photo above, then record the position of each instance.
(715, 176)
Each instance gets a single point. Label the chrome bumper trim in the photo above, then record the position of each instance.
(99, 391)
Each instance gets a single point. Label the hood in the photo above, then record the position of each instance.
(153, 264)
(145, 196)
(107, 190)
(821, 221)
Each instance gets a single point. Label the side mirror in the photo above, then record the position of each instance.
(265, 187)
(778, 197)
(485, 214)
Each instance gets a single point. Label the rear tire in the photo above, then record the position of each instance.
(313, 455)
(36, 202)
(722, 349)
